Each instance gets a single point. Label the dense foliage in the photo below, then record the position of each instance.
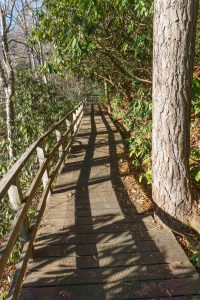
(108, 40)
(37, 106)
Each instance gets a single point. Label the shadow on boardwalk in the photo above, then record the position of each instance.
(100, 248)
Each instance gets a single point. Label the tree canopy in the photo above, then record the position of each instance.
(101, 40)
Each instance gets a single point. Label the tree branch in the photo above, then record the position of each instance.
(122, 70)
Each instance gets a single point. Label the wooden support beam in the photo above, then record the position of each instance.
(68, 123)
(15, 195)
(60, 149)
(74, 119)
(41, 158)
(16, 199)
(58, 138)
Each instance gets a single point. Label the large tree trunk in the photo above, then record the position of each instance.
(174, 37)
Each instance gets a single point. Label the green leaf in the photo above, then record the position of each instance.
(197, 177)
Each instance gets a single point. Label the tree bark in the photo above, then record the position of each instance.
(10, 123)
(7, 79)
(174, 39)
(26, 34)
(107, 96)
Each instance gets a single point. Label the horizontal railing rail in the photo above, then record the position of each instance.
(10, 186)
(16, 168)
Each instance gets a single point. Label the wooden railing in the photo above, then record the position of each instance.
(10, 186)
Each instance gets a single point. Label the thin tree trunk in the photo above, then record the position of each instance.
(107, 96)
(9, 124)
(174, 37)
(32, 62)
(7, 78)
(45, 79)
(26, 33)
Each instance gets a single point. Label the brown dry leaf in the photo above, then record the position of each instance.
(186, 243)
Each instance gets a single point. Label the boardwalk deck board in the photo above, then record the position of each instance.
(91, 245)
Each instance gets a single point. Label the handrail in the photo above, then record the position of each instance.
(19, 164)
(10, 184)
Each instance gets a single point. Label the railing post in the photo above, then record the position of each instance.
(41, 158)
(58, 138)
(80, 113)
(82, 108)
(16, 198)
(78, 116)
(68, 123)
(61, 149)
(76, 119)
(74, 126)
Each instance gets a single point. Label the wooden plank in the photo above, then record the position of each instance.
(102, 238)
(81, 205)
(79, 209)
(70, 201)
(114, 291)
(101, 225)
(105, 275)
(73, 206)
(112, 259)
(100, 214)
(83, 213)
(57, 293)
(76, 163)
(107, 220)
(64, 228)
(59, 249)
(100, 197)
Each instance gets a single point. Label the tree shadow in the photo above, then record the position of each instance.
(92, 245)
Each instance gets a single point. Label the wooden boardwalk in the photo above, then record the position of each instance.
(90, 246)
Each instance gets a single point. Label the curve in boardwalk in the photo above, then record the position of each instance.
(90, 245)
